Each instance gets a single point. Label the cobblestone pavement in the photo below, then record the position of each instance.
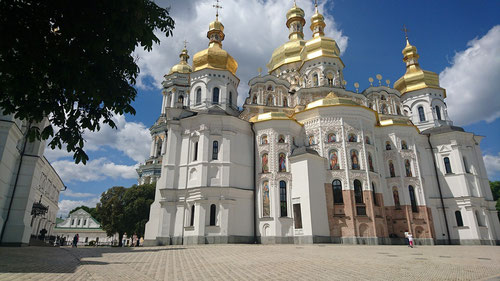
(252, 262)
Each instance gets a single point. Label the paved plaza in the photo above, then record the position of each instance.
(252, 262)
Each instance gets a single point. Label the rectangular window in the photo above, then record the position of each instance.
(215, 150)
(297, 216)
(195, 156)
(85, 222)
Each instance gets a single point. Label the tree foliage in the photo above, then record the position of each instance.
(137, 201)
(71, 61)
(126, 210)
(111, 211)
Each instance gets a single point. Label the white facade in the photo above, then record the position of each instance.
(89, 230)
(37, 182)
(308, 161)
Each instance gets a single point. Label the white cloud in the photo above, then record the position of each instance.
(97, 169)
(70, 193)
(253, 28)
(472, 81)
(67, 205)
(492, 164)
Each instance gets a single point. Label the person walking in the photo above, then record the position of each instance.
(75, 241)
(410, 240)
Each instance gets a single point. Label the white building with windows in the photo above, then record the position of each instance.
(308, 161)
(27, 181)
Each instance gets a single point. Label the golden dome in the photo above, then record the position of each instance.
(290, 51)
(330, 100)
(182, 66)
(317, 23)
(415, 78)
(214, 57)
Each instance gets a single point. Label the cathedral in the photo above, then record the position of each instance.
(306, 160)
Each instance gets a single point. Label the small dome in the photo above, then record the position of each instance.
(182, 66)
(294, 12)
(214, 57)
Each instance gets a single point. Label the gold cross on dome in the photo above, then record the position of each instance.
(405, 30)
(185, 43)
(217, 6)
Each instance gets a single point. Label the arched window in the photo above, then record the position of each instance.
(413, 200)
(388, 145)
(330, 79)
(265, 163)
(374, 195)
(215, 150)
(198, 96)
(213, 214)
(180, 99)
(458, 217)
(367, 140)
(282, 162)
(269, 88)
(404, 145)
(438, 112)
(382, 97)
(230, 98)
(408, 168)
(447, 165)
(358, 192)
(421, 114)
(354, 160)
(285, 102)
(391, 169)
(269, 100)
(283, 199)
(254, 99)
(281, 139)
(195, 152)
(337, 192)
(331, 138)
(315, 80)
(191, 223)
(466, 165)
(333, 159)
(395, 196)
(352, 138)
(266, 203)
(370, 163)
(215, 96)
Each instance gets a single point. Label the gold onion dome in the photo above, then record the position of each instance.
(290, 51)
(330, 100)
(214, 57)
(319, 45)
(182, 66)
(415, 78)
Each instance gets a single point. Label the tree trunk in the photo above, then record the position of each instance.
(120, 238)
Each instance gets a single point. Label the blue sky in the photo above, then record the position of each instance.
(456, 39)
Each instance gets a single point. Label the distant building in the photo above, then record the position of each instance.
(88, 228)
(36, 188)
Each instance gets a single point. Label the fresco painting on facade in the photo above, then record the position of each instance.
(282, 162)
(266, 205)
(304, 101)
(265, 163)
(354, 160)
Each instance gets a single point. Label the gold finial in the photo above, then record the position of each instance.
(316, 5)
(259, 70)
(294, 3)
(371, 81)
(356, 85)
(217, 7)
(379, 77)
(388, 82)
(185, 44)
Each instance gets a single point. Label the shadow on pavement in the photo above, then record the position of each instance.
(59, 259)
